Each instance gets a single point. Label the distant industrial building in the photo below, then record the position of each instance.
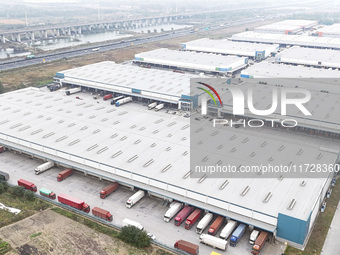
(286, 27)
(151, 151)
(227, 47)
(309, 57)
(283, 39)
(272, 70)
(192, 61)
(329, 31)
(142, 84)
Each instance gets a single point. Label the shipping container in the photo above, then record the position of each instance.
(201, 226)
(107, 97)
(127, 222)
(260, 242)
(135, 198)
(74, 202)
(228, 229)
(214, 241)
(47, 193)
(109, 189)
(44, 167)
(187, 247)
(64, 174)
(172, 211)
(183, 214)
(101, 213)
(27, 185)
(193, 217)
(215, 226)
(237, 234)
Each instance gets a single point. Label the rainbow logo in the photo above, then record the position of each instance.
(209, 93)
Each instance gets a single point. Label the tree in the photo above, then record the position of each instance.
(134, 236)
(149, 31)
(17, 191)
(2, 89)
(155, 30)
(29, 195)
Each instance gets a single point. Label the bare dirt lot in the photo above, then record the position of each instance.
(48, 232)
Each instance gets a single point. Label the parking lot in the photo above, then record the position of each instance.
(149, 211)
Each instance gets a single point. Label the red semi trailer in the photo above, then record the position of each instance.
(101, 213)
(27, 185)
(64, 174)
(183, 214)
(74, 202)
(109, 189)
(108, 96)
(193, 218)
(187, 247)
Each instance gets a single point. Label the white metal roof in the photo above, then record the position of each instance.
(309, 56)
(192, 60)
(286, 26)
(272, 70)
(324, 115)
(228, 47)
(330, 31)
(107, 75)
(300, 40)
(153, 148)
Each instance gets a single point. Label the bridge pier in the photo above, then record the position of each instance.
(32, 36)
(45, 33)
(79, 30)
(18, 38)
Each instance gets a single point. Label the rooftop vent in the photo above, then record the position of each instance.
(280, 178)
(166, 168)
(102, 150)
(92, 147)
(24, 128)
(61, 138)
(36, 131)
(116, 122)
(142, 128)
(224, 184)
(199, 130)
(123, 138)
(202, 178)
(74, 142)
(172, 123)
(72, 124)
(133, 158)
(105, 119)
(214, 133)
(16, 125)
(116, 154)
(48, 135)
(281, 148)
(266, 199)
(84, 128)
(138, 141)
(96, 131)
(187, 174)
(244, 192)
(291, 205)
(232, 138)
(185, 153)
(148, 163)
(185, 127)
(303, 183)
(159, 121)
(114, 135)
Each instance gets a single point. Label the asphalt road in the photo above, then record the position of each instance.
(10, 64)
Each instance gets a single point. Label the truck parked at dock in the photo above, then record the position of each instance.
(74, 202)
(101, 213)
(109, 189)
(64, 174)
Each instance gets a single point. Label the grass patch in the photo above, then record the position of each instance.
(322, 224)
(4, 247)
(27, 208)
(35, 235)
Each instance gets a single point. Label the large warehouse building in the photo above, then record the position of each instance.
(309, 57)
(329, 31)
(283, 39)
(271, 70)
(192, 61)
(145, 85)
(286, 27)
(151, 150)
(227, 47)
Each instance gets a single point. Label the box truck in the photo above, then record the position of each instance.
(193, 217)
(127, 222)
(114, 100)
(44, 167)
(74, 202)
(228, 229)
(72, 91)
(135, 198)
(183, 214)
(101, 213)
(4, 176)
(237, 234)
(187, 247)
(64, 174)
(215, 226)
(172, 211)
(123, 101)
(109, 189)
(27, 185)
(159, 107)
(204, 223)
(107, 97)
(253, 236)
(214, 241)
(260, 242)
(47, 193)
(2, 149)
